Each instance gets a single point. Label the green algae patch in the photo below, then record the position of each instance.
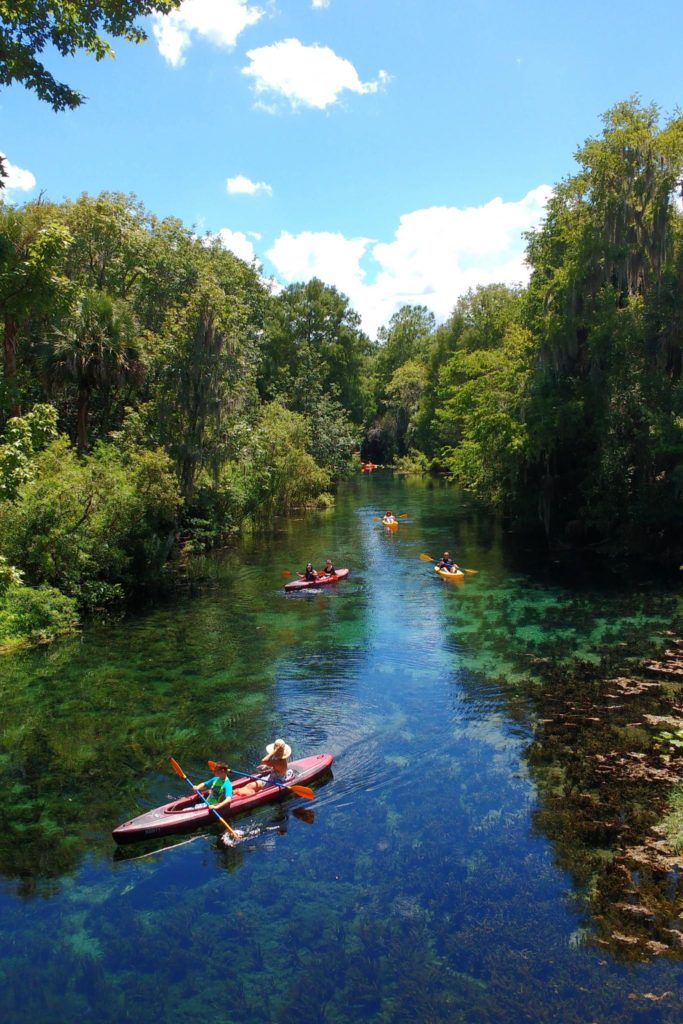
(672, 823)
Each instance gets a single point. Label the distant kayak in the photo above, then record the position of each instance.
(319, 581)
(367, 467)
(446, 575)
(188, 813)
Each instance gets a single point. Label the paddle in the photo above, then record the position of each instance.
(403, 515)
(286, 573)
(428, 558)
(179, 771)
(304, 791)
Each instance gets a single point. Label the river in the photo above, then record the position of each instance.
(425, 883)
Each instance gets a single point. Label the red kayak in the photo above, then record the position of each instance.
(319, 581)
(190, 812)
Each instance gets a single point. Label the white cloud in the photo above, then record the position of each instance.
(219, 21)
(319, 4)
(236, 242)
(239, 185)
(17, 180)
(436, 255)
(331, 257)
(309, 76)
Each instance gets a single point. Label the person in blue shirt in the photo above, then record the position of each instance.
(219, 787)
(447, 563)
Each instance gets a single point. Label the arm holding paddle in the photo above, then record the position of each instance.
(179, 771)
(468, 572)
(276, 763)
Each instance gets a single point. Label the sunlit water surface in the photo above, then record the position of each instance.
(415, 888)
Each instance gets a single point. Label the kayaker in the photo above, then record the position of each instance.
(329, 569)
(276, 763)
(389, 518)
(310, 573)
(446, 562)
(219, 787)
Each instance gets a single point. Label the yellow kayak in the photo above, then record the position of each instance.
(446, 575)
(391, 525)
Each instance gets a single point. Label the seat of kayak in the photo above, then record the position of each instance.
(187, 803)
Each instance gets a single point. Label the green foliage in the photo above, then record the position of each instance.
(24, 437)
(27, 29)
(204, 370)
(605, 310)
(94, 528)
(484, 394)
(33, 614)
(670, 740)
(414, 463)
(313, 336)
(280, 473)
(404, 338)
(9, 576)
(672, 823)
(96, 348)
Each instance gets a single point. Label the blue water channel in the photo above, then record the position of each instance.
(419, 886)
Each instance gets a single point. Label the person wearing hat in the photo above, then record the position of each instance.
(389, 518)
(276, 763)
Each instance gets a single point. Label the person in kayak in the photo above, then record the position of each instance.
(309, 572)
(446, 562)
(389, 518)
(329, 569)
(219, 787)
(276, 763)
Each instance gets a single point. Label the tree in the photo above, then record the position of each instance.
(95, 349)
(27, 27)
(604, 303)
(204, 368)
(110, 238)
(33, 246)
(401, 398)
(406, 337)
(312, 332)
(482, 415)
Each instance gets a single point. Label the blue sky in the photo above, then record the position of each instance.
(395, 149)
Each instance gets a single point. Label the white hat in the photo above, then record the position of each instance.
(279, 747)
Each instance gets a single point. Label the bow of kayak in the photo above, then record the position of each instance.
(189, 813)
(446, 575)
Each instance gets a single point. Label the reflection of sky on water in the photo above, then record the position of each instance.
(418, 891)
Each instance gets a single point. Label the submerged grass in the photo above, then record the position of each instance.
(473, 859)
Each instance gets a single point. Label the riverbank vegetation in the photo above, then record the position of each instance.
(158, 396)
(561, 403)
(155, 398)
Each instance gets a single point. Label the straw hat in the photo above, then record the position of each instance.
(280, 748)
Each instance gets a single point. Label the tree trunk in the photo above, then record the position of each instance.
(10, 363)
(83, 412)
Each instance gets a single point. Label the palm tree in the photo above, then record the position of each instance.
(96, 350)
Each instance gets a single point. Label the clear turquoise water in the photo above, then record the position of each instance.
(419, 888)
